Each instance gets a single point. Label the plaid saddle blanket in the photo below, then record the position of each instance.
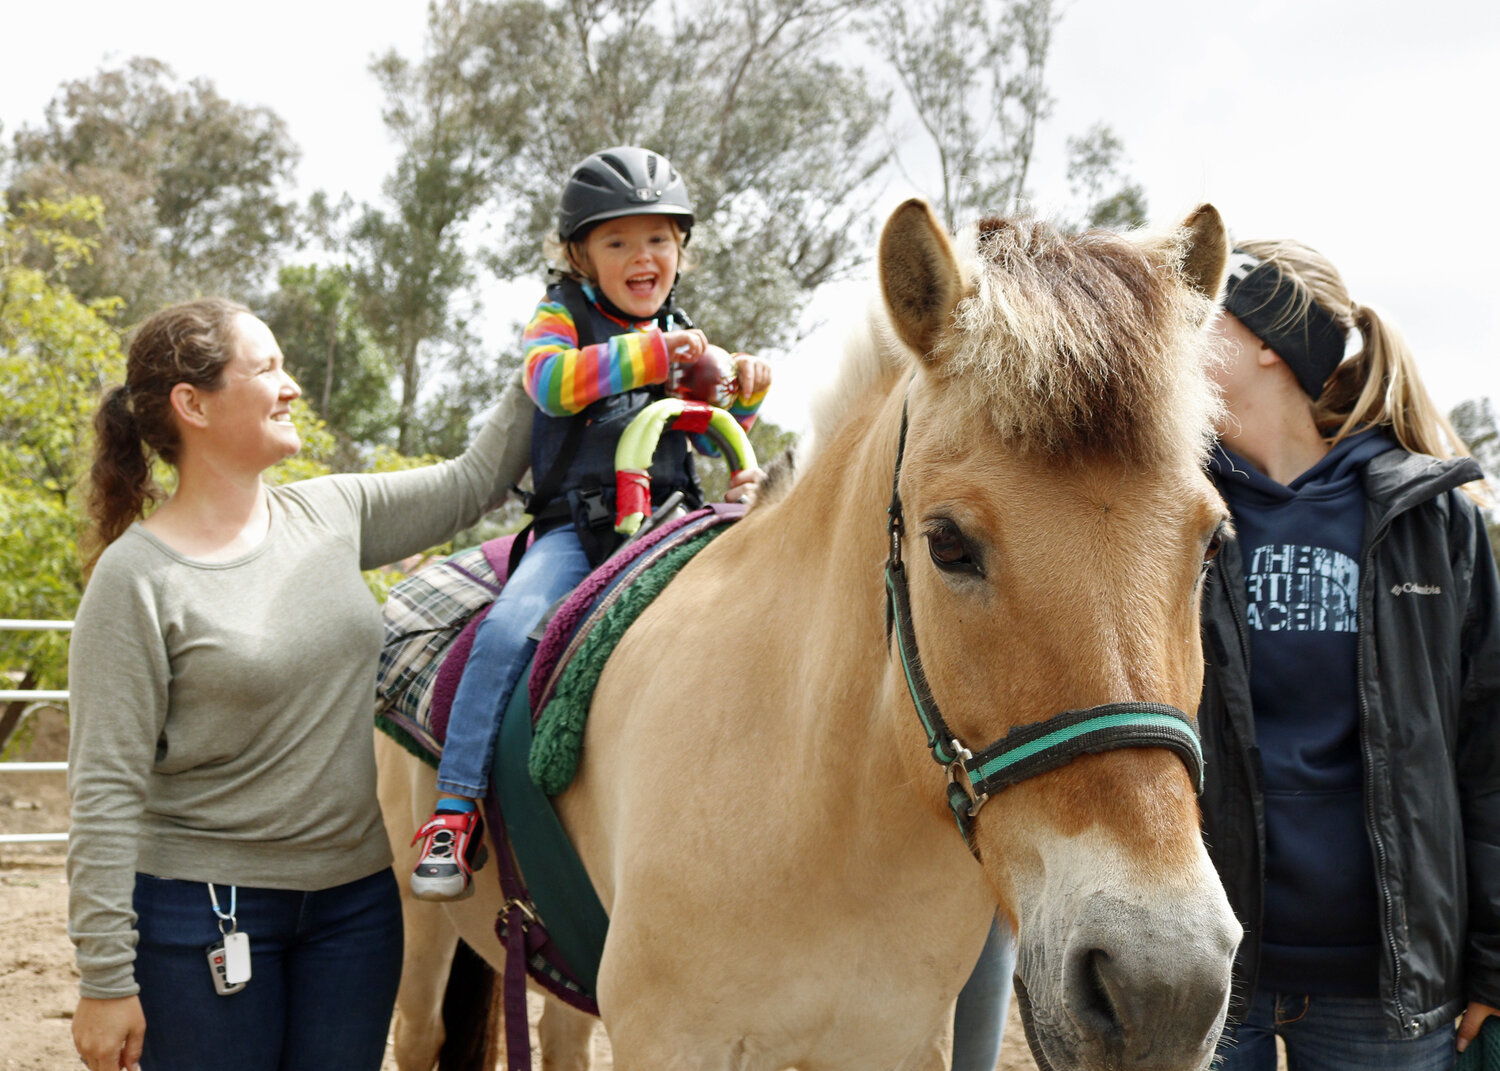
(426, 616)
(431, 618)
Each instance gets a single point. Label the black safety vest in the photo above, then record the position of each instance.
(577, 453)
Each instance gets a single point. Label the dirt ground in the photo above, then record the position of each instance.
(38, 981)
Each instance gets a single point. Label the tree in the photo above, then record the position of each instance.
(56, 352)
(974, 75)
(1095, 174)
(194, 186)
(333, 354)
(453, 121)
(776, 143)
(973, 71)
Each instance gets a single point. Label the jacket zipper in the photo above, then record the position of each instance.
(1408, 1029)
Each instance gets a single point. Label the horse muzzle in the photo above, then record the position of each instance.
(1114, 980)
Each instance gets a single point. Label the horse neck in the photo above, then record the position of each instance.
(834, 523)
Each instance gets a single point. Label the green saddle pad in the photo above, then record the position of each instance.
(528, 770)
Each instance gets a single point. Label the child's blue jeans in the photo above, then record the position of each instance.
(1327, 1034)
(551, 567)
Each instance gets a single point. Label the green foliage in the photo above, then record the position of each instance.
(193, 184)
(332, 351)
(56, 354)
(1095, 174)
(452, 120)
(973, 71)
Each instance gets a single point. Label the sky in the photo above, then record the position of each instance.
(1365, 129)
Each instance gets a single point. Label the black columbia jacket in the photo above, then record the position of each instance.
(1429, 690)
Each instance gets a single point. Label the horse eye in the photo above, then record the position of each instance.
(948, 549)
(1215, 544)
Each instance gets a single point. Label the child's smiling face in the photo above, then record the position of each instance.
(634, 261)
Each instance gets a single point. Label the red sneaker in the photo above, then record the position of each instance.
(453, 848)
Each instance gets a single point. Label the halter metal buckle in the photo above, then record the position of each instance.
(958, 774)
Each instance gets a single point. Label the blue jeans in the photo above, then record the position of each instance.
(324, 967)
(984, 1001)
(1327, 1034)
(551, 567)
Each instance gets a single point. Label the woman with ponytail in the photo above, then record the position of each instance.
(1351, 704)
(230, 890)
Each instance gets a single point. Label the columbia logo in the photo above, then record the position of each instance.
(1416, 589)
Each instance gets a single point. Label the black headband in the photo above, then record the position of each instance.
(1309, 340)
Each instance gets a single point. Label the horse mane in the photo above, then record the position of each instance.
(1080, 345)
(873, 356)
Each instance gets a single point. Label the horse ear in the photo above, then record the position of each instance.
(1206, 250)
(919, 275)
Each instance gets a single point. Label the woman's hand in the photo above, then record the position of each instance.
(753, 375)
(1474, 1016)
(109, 1033)
(685, 346)
(742, 486)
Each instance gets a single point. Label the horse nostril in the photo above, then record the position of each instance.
(1095, 1007)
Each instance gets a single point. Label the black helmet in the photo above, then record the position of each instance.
(623, 181)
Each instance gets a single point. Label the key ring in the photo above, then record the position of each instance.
(234, 895)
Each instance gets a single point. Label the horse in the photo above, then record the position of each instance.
(1019, 434)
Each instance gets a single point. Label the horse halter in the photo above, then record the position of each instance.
(1026, 750)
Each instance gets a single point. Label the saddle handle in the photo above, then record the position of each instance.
(638, 444)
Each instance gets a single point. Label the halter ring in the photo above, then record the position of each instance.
(958, 774)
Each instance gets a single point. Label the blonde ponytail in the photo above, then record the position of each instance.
(1379, 385)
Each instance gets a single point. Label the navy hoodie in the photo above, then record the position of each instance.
(1301, 548)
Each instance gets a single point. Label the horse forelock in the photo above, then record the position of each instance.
(1079, 345)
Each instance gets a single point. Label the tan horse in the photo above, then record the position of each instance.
(786, 884)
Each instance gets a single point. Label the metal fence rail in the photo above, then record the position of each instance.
(36, 696)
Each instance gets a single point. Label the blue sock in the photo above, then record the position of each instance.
(454, 805)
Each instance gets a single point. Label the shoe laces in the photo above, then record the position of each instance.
(441, 845)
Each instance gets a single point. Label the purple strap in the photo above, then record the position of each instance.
(512, 926)
(497, 553)
(517, 1029)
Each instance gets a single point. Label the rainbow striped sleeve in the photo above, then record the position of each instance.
(745, 412)
(562, 379)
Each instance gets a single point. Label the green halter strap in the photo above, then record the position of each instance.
(1026, 750)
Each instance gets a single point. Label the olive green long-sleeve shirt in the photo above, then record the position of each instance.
(222, 712)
